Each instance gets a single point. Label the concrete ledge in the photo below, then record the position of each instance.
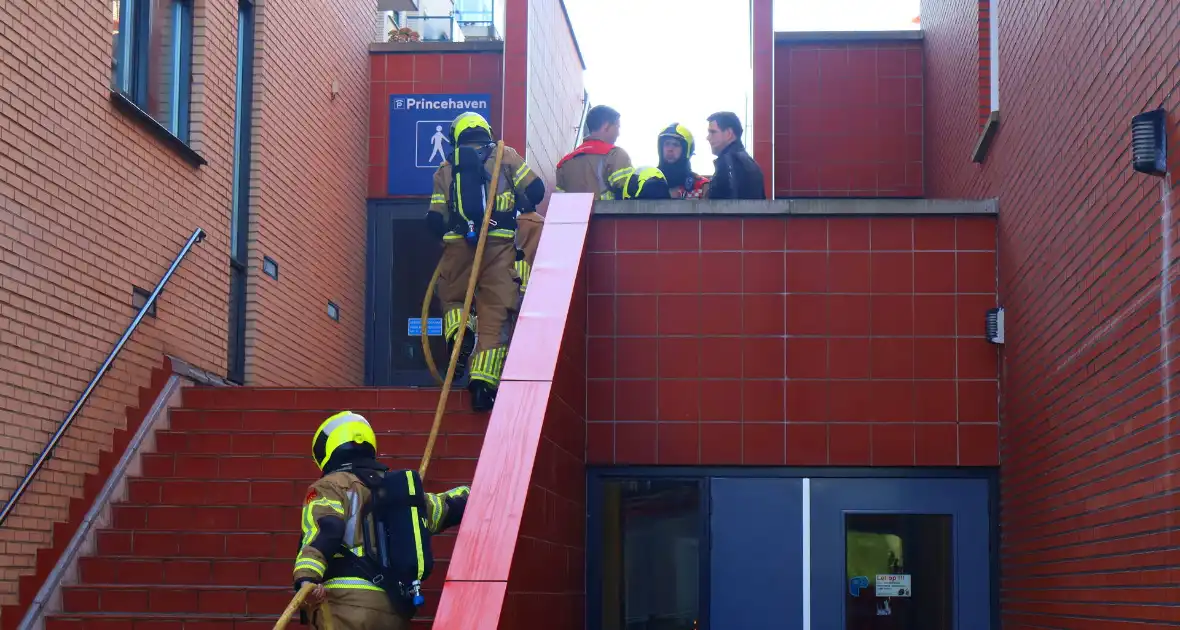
(798, 207)
(836, 37)
(411, 48)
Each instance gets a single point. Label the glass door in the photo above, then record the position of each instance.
(650, 534)
(900, 554)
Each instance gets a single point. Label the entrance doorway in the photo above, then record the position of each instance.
(402, 255)
(741, 549)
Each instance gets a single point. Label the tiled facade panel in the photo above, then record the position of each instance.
(548, 575)
(848, 119)
(516, 72)
(555, 89)
(801, 341)
(92, 204)
(424, 73)
(760, 131)
(1090, 448)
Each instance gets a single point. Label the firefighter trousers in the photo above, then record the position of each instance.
(496, 298)
(354, 609)
(528, 238)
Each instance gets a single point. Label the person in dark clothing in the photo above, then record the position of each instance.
(736, 175)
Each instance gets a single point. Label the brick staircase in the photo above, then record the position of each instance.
(207, 536)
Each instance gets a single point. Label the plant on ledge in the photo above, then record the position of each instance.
(404, 34)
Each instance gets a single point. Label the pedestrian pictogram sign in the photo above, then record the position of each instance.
(419, 125)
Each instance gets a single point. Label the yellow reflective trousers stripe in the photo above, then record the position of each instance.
(523, 269)
(487, 366)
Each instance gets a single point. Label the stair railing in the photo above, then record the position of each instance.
(197, 236)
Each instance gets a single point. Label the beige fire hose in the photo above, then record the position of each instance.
(297, 600)
(471, 281)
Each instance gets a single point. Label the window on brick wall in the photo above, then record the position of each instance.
(151, 63)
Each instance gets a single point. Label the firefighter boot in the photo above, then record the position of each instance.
(483, 396)
(465, 351)
(451, 328)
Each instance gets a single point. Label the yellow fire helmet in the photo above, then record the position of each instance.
(345, 430)
(646, 183)
(470, 127)
(681, 133)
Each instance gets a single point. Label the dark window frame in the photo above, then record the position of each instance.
(598, 475)
(132, 64)
(595, 550)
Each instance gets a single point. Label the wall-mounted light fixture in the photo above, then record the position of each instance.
(139, 297)
(333, 311)
(995, 326)
(270, 267)
(1149, 142)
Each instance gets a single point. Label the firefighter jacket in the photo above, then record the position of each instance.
(333, 523)
(518, 187)
(594, 167)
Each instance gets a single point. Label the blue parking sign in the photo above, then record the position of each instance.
(418, 142)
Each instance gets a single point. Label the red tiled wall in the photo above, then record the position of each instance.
(1089, 445)
(547, 579)
(802, 341)
(762, 139)
(400, 73)
(516, 72)
(555, 89)
(848, 119)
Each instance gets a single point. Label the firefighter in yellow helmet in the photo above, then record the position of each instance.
(676, 150)
(366, 531)
(461, 185)
(646, 183)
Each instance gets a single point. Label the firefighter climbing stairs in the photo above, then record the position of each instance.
(207, 535)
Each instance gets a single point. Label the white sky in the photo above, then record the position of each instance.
(665, 61)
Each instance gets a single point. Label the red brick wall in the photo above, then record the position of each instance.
(985, 61)
(955, 94)
(1088, 447)
(402, 73)
(848, 119)
(94, 204)
(555, 88)
(802, 341)
(308, 195)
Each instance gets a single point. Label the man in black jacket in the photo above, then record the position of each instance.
(736, 175)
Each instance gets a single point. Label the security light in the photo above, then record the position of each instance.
(1149, 142)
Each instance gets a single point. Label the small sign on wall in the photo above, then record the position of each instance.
(434, 327)
(893, 585)
(419, 129)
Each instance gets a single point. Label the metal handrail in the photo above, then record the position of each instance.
(582, 121)
(197, 236)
